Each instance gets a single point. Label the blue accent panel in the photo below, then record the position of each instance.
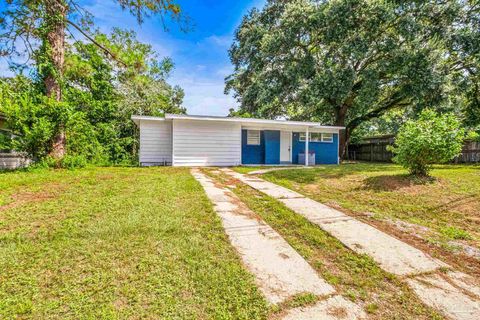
(253, 154)
(272, 146)
(325, 152)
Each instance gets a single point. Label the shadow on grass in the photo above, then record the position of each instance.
(330, 171)
(394, 182)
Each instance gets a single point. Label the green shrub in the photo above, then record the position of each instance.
(82, 137)
(34, 119)
(44, 163)
(430, 139)
(73, 162)
(5, 141)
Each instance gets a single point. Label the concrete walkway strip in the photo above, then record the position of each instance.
(356, 235)
(279, 270)
(390, 253)
(455, 294)
(447, 294)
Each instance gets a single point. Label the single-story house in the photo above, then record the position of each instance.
(186, 140)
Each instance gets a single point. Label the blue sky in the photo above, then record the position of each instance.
(200, 55)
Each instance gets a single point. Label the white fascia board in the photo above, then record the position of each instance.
(250, 121)
(137, 118)
(294, 128)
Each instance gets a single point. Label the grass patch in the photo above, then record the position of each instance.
(371, 308)
(249, 169)
(297, 301)
(116, 243)
(455, 233)
(450, 201)
(355, 276)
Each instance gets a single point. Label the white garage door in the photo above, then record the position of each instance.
(206, 143)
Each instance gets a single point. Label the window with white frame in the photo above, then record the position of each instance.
(315, 137)
(301, 137)
(327, 137)
(253, 137)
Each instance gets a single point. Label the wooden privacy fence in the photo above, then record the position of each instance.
(470, 153)
(377, 152)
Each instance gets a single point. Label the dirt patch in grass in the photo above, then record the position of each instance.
(405, 183)
(105, 176)
(25, 224)
(121, 303)
(467, 204)
(24, 197)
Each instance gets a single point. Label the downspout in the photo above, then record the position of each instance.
(338, 147)
(307, 138)
(173, 143)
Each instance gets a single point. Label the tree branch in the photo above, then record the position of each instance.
(107, 51)
(393, 102)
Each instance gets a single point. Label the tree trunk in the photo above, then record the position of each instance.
(340, 115)
(56, 13)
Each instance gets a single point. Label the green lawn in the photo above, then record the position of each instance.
(357, 277)
(248, 169)
(117, 243)
(449, 205)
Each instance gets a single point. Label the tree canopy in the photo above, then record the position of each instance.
(346, 62)
(37, 30)
(99, 97)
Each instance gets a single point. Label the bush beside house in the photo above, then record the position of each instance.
(4, 135)
(432, 138)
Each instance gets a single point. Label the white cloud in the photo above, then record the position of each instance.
(108, 13)
(220, 41)
(203, 92)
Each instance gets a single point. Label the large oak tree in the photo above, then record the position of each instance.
(38, 28)
(345, 62)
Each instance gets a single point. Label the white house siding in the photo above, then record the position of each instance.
(155, 142)
(206, 143)
(13, 160)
